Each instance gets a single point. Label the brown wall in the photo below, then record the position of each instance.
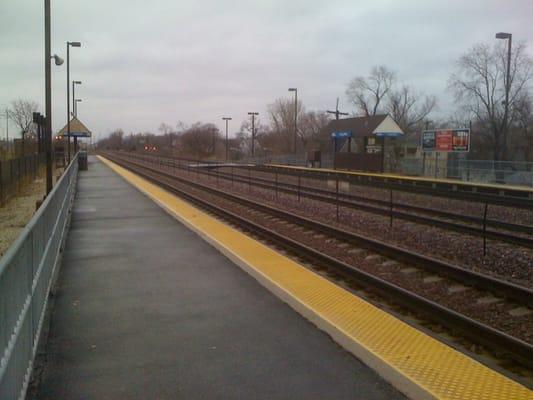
(358, 162)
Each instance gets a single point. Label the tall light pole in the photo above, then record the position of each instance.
(295, 90)
(74, 111)
(226, 119)
(76, 101)
(509, 36)
(48, 93)
(69, 44)
(253, 114)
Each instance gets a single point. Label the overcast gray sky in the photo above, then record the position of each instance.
(147, 62)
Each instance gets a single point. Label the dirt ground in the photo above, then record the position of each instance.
(18, 211)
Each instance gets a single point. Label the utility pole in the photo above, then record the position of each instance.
(48, 96)
(337, 112)
(226, 119)
(509, 37)
(253, 114)
(7, 133)
(295, 90)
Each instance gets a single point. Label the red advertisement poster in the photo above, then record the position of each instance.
(444, 140)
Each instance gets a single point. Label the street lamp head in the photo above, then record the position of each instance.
(78, 100)
(74, 44)
(58, 60)
(226, 118)
(503, 35)
(292, 89)
(77, 82)
(253, 113)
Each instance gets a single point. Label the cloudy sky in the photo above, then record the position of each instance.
(146, 62)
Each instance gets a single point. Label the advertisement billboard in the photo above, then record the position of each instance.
(446, 140)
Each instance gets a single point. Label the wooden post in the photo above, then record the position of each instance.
(485, 230)
(337, 196)
(299, 187)
(276, 184)
(391, 208)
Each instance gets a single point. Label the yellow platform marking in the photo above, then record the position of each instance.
(417, 364)
(409, 178)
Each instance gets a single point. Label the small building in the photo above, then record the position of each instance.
(360, 143)
(77, 130)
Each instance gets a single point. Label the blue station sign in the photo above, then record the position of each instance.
(341, 134)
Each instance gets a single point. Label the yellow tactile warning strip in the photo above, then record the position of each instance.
(408, 178)
(414, 362)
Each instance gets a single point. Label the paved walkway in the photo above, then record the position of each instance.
(145, 309)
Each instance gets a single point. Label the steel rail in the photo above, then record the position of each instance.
(330, 197)
(444, 214)
(408, 207)
(476, 331)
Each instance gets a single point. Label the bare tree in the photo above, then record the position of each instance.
(262, 136)
(311, 128)
(367, 94)
(21, 113)
(409, 109)
(200, 140)
(479, 85)
(281, 114)
(165, 129)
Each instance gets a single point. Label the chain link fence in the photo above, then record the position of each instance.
(480, 171)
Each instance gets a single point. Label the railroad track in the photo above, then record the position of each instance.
(282, 228)
(475, 226)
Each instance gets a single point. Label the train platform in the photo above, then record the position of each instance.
(410, 179)
(492, 193)
(146, 309)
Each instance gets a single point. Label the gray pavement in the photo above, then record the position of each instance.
(145, 309)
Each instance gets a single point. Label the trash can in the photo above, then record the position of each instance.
(82, 161)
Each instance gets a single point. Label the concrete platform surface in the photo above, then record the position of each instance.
(145, 309)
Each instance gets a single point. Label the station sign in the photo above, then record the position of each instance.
(372, 146)
(446, 140)
(341, 134)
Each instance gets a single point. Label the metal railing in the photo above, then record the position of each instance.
(27, 271)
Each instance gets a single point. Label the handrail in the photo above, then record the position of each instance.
(27, 271)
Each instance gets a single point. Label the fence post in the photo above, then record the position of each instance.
(232, 176)
(249, 179)
(485, 230)
(276, 184)
(299, 177)
(391, 208)
(337, 196)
